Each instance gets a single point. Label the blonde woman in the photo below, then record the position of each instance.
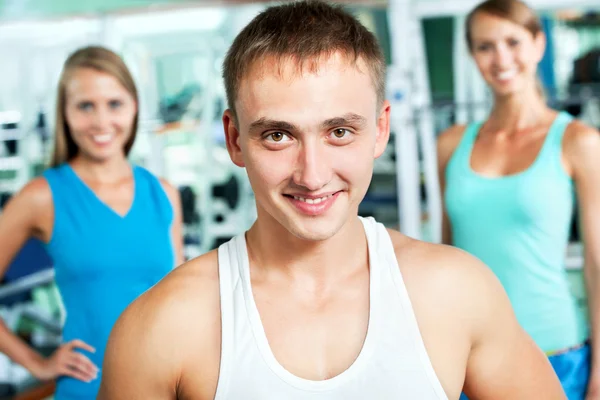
(112, 229)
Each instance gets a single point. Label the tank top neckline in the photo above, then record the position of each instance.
(261, 339)
(99, 201)
(473, 132)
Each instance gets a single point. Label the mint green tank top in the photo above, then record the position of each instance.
(518, 225)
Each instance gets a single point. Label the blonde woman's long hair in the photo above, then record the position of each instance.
(99, 59)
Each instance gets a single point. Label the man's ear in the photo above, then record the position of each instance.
(232, 138)
(383, 129)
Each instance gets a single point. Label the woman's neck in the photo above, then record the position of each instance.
(518, 111)
(107, 171)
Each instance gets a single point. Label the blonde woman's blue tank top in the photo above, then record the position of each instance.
(103, 261)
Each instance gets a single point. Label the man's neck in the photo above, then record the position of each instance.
(273, 249)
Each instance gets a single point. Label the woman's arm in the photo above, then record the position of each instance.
(26, 215)
(177, 227)
(446, 144)
(582, 153)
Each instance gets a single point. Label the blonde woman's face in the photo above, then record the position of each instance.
(506, 53)
(100, 114)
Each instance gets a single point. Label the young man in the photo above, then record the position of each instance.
(314, 302)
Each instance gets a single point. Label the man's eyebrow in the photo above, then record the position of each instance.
(265, 124)
(346, 119)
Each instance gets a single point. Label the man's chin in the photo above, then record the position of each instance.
(313, 228)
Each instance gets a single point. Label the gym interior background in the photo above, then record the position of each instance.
(175, 49)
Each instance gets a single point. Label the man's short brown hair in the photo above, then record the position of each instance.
(302, 31)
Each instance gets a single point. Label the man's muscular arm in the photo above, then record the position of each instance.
(504, 362)
(468, 324)
(140, 360)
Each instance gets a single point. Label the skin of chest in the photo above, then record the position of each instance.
(497, 155)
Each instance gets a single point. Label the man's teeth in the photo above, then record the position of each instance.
(102, 138)
(312, 201)
(506, 75)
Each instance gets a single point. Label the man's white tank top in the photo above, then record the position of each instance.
(393, 363)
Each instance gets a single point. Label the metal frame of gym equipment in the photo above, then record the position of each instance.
(407, 90)
(224, 199)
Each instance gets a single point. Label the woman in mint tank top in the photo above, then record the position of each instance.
(112, 229)
(510, 184)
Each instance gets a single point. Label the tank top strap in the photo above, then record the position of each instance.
(70, 201)
(558, 128)
(229, 265)
(60, 182)
(376, 248)
(471, 131)
(462, 154)
(390, 286)
(550, 156)
(151, 194)
(229, 279)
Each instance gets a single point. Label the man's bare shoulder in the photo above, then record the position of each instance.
(167, 335)
(432, 259)
(188, 294)
(441, 275)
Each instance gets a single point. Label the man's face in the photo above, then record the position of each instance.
(308, 140)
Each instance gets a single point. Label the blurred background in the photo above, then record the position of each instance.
(175, 49)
